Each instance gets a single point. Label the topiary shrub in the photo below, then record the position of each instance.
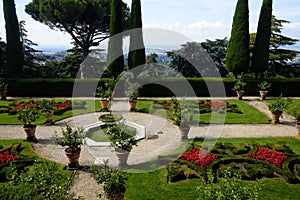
(175, 173)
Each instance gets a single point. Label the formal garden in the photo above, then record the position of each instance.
(218, 119)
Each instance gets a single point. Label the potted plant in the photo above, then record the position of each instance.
(113, 181)
(28, 115)
(47, 108)
(277, 107)
(239, 87)
(122, 141)
(263, 86)
(73, 140)
(294, 110)
(132, 92)
(182, 112)
(3, 89)
(105, 93)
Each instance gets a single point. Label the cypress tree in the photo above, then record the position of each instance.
(260, 57)
(115, 58)
(137, 55)
(237, 55)
(15, 55)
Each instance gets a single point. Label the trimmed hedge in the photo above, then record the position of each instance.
(248, 168)
(151, 87)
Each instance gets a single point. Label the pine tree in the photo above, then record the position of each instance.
(260, 57)
(136, 55)
(29, 52)
(15, 55)
(237, 55)
(115, 58)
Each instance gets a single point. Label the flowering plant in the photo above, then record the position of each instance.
(279, 105)
(28, 115)
(119, 137)
(215, 105)
(198, 157)
(6, 156)
(71, 138)
(113, 180)
(274, 157)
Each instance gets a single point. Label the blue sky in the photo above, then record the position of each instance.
(196, 19)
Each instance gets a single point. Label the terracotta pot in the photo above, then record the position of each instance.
(118, 197)
(30, 132)
(73, 158)
(104, 104)
(184, 132)
(263, 94)
(275, 117)
(122, 157)
(298, 127)
(240, 94)
(49, 117)
(132, 105)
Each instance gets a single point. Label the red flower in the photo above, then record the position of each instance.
(215, 105)
(62, 105)
(274, 157)
(198, 157)
(169, 105)
(6, 156)
(21, 105)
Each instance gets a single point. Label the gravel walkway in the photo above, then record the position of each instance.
(163, 138)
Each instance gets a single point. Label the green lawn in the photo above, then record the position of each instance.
(153, 185)
(91, 106)
(249, 114)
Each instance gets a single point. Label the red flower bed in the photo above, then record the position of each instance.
(21, 105)
(62, 105)
(274, 157)
(215, 105)
(6, 156)
(198, 157)
(169, 105)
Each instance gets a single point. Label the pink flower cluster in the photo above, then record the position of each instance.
(274, 157)
(198, 157)
(215, 105)
(6, 156)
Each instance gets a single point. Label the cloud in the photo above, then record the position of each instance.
(198, 31)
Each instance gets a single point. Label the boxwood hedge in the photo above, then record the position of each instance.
(151, 87)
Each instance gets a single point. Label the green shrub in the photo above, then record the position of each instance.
(175, 173)
(288, 169)
(43, 181)
(231, 186)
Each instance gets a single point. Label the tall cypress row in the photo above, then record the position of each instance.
(137, 55)
(237, 55)
(15, 55)
(115, 58)
(260, 57)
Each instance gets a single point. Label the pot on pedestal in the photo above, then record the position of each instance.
(240, 94)
(275, 117)
(263, 94)
(73, 158)
(122, 157)
(30, 132)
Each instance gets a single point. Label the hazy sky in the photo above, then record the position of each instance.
(196, 19)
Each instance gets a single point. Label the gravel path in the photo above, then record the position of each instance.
(163, 138)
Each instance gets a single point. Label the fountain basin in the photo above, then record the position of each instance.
(140, 133)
